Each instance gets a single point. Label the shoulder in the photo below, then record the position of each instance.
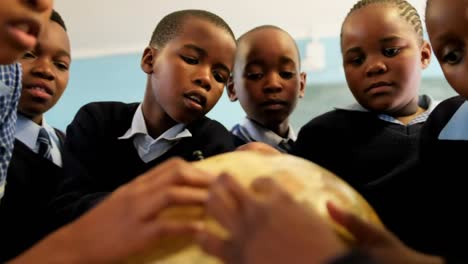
(103, 117)
(108, 108)
(105, 112)
(338, 119)
(446, 108)
(442, 114)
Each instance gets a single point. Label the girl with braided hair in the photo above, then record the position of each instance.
(372, 144)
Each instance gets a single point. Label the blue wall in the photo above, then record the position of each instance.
(119, 78)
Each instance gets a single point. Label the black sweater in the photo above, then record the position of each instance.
(105, 162)
(442, 207)
(377, 158)
(24, 215)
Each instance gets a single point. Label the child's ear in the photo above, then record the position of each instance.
(230, 89)
(147, 59)
(426, 53)
(302, 83)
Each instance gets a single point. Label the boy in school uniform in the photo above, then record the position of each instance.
(35, 167)
(187, 63)
(267, 82)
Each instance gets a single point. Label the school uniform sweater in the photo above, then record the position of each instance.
(106, 162)
(441, 207)
(376, 157)
(25, 216)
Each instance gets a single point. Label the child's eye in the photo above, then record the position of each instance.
(390, 52)
(357, 61)
(219, 77)
(452, 57)
(29, 55)
(253, 76)
(286, 75)
(189, 60)
(61, 66)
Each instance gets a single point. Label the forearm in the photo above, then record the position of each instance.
(59, 247)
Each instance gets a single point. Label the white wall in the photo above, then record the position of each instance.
(98, 27)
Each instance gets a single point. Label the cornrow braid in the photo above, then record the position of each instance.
(408, 12)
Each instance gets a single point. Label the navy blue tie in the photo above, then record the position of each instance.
(45, 145)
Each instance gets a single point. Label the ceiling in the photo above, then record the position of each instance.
(106, 27)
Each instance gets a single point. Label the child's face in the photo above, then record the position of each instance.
(45, 71)
(20, 25)
(267, 79)
(188, 75)
(383, 59)
(446, 23)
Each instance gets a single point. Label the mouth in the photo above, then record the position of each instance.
(274, 104)
(39, 87)
(271, 102)
(196, 98)
(379, 84)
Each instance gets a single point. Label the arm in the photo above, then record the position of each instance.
(126, 223)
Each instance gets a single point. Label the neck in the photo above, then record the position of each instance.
(281, 129)
(406, 119)
(35, 118)
(156, 121)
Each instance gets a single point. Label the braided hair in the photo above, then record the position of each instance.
(407, 12)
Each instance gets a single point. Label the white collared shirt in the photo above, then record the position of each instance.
(250, 131)
(425, 102)
(27, 132)
(148, 148)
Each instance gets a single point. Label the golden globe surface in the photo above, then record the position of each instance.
(307, 182)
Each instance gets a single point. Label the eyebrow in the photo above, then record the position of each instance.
(389, 39)
(201, 52)
(382, 41)
(61, 53)
(282, 60)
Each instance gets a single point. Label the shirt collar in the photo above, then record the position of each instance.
(256, 132)
(457, 127)
(27, 131)
(138, 125)
(425, 101)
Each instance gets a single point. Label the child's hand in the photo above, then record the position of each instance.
(126, 223)
(377, 242)
(266, 226)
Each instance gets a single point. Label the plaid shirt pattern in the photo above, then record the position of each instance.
(10, 91)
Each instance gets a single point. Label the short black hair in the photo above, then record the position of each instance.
(57, 18)
(171, 25)
(407, 12)
(240, 39)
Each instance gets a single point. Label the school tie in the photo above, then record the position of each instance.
(45, 145)
(286, 145)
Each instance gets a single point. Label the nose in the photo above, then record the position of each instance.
(273, 83)
(40, 5)
(376, 67)
(42, 69)
(203, 78)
